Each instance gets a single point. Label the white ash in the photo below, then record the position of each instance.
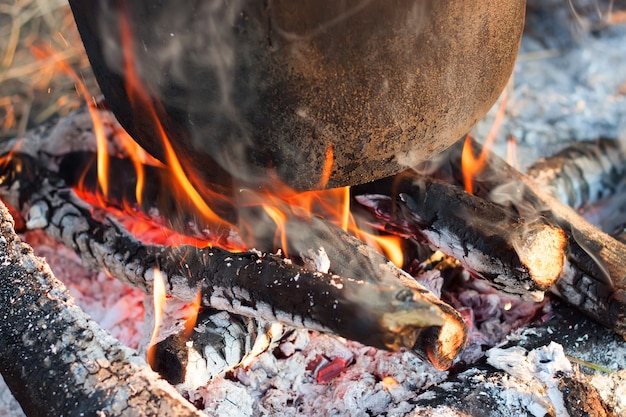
(9, 407)
(288, 386)
(316, 260)
(115, 306)
(534, 376)
(612, 389)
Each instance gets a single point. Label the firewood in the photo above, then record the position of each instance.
(347, 256)
(594, 276)
(487, 240)
(351, 257)
(590, 177)
(583, 173)
(378, 311)
(55, 359)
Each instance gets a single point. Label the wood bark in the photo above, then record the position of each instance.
(55, 359)
(582, 174)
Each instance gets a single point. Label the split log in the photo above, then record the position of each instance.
(518, 258)
(378, 311)
(55, 359)
(594, 276)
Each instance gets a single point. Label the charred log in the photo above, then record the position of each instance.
(378, 311)
(55, 359)
(219, 342)
(519, 258)
(594, 276)
(589, 177)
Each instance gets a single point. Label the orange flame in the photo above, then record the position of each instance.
(192, 316)
(328, 167)
(281, 204)
(159, 297)
(140, 99)
(511, 152)
(390, 246)
(98, 125)
(472, 165)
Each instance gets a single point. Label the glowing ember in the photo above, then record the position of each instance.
(98, 125)
(389, 382)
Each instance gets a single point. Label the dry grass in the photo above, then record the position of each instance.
(31, 89)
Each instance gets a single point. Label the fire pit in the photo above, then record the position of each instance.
(307, 373)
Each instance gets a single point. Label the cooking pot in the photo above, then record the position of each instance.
(321, 93)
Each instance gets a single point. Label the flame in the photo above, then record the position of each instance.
(472, 165)
(511, 152)
(44, 52)
(189, 314)
(390, 246)
(192, 316)
(140, 99)
(328, 167)
(159, 298)
(280, 204)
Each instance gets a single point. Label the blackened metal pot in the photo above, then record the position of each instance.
(244, 88)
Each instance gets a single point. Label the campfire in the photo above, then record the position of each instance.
(441, 289)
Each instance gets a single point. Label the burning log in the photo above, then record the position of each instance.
(519, 258)
(594, 276)
(379, 311)
(55, 359)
